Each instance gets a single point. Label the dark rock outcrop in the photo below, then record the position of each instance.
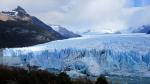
(148, 32)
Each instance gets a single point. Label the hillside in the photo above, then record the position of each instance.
(19, 29)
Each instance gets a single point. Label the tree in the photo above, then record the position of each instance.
(63, 78)
(101, 80)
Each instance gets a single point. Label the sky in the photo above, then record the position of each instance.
(82, 15)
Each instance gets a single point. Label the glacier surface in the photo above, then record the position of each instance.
(114, 54)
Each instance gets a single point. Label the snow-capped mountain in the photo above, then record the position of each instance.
(90, 32)
(114, 54)
(142, 29)
(18, 29)
(16, 14)
(19, 11)
(64, 32)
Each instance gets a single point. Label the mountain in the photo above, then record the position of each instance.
(86, 32)
(64, 32)
(142, 29)
(19, 29)
(90, 32)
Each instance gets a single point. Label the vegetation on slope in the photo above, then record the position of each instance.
(23, 33)
(13, 75)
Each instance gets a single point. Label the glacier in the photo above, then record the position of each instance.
(114, 54)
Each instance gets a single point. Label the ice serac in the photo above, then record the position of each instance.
(113, 54)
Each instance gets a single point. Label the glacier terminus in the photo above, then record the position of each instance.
(113, 54)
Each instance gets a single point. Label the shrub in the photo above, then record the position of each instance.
(63, 78)
(82, 81)
(101, 80)
(14, 75)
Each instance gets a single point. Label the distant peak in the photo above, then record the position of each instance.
(20, 10)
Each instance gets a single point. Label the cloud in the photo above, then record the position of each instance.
(97, 14)
(139, 16)
(80, 15)
(52, 17)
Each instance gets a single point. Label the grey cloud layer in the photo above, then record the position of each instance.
(97, 15)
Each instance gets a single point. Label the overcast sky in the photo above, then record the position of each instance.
(80, 15)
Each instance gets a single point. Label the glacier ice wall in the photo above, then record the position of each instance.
(123, 54)
(89, 61)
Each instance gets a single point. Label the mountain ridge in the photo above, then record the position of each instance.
(64, 31)
(142, 29)
(19, 29)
